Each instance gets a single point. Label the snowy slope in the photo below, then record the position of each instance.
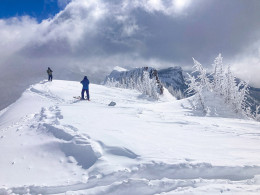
(51, 143)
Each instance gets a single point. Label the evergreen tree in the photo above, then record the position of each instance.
(223, 84)
(142, 82)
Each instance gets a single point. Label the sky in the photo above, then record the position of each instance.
(40, 9)
(90, 37)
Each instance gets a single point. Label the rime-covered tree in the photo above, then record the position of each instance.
(257, 113)
(202, 74)
(176, 93)
(142, 82)
(218, 74)
(196, 87)
(224, 84)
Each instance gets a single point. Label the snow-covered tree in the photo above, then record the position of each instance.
(142, 82)
(195, 87)
(202, 74)
(176, 93)
(257, 113)
(148, 85)
(223, 84)
(111, 82)
(218, 74)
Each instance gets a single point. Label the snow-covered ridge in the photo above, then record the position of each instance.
(51, 143)
(119, 69)
(171, 78)
(145, 80)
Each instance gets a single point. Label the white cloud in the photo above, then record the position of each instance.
(95, 36)
(15, 33)
(79, 19)
(62, 3)
(181, 4)
(171, 8)
(246, 65)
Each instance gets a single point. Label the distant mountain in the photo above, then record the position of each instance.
(255, 93)
(122, 76)
(173, 79)
(173, 76)
(254, 98)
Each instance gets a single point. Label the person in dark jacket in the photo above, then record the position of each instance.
(49, 72)
(85, 83)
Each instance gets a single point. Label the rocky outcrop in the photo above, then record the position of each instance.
(172, 78)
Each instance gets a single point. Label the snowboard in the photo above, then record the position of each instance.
(79, 98)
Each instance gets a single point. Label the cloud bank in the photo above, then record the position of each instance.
(90, 37)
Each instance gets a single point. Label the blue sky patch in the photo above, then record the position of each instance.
(39, 9)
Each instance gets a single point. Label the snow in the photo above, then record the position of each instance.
(119, 69)
(51, 143)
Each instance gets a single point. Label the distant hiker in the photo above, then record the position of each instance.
(49, 71)
(85, 83)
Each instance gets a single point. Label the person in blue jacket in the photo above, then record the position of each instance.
(85, 83)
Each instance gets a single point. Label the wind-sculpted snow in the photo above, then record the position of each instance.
(52, 143)
(147, 177)
(73, 145)
(118, 151)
